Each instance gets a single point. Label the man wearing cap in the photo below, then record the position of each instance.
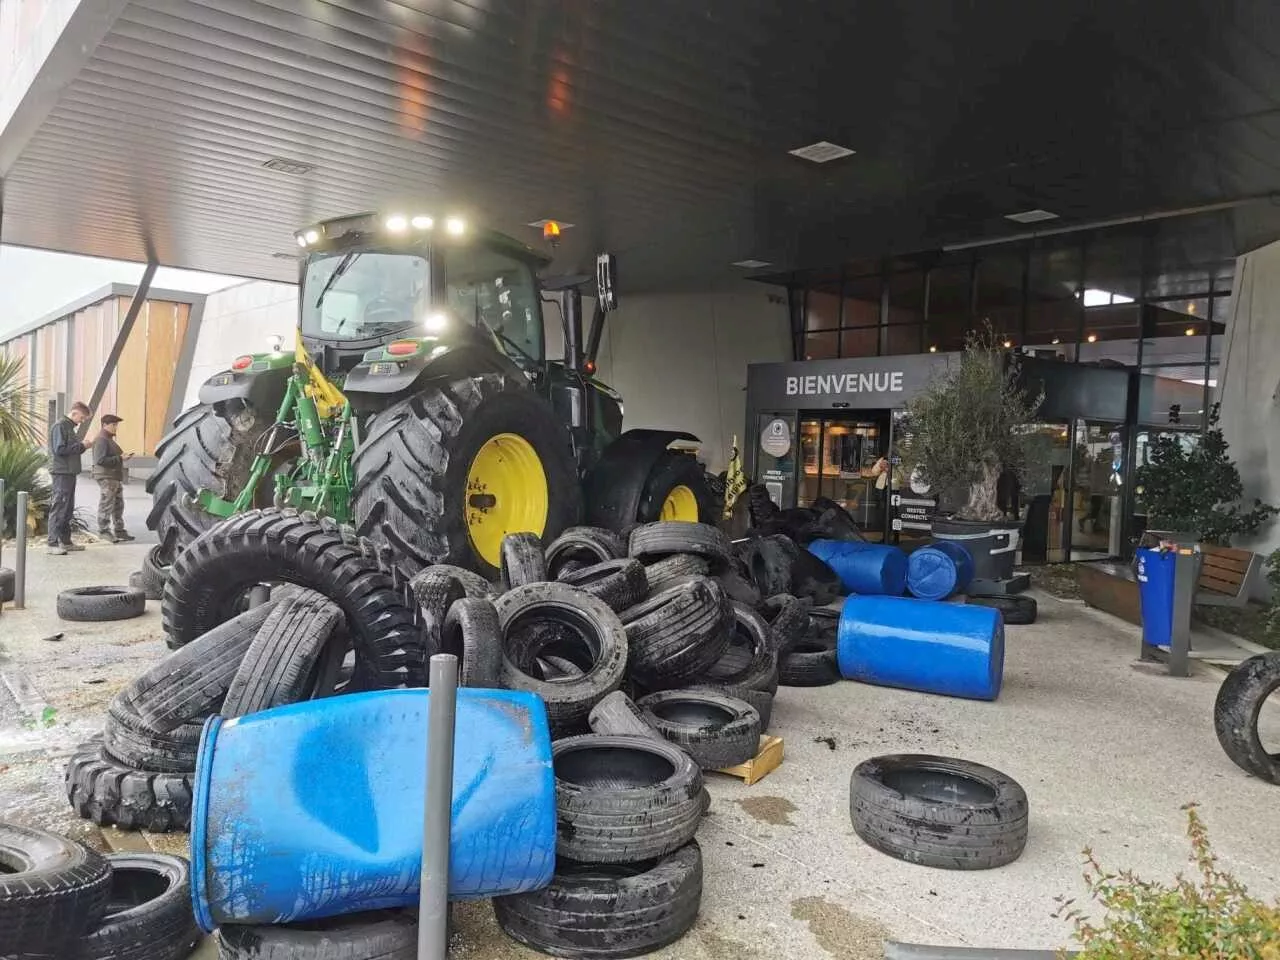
(108, 470)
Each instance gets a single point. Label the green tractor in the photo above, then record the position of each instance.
(419, 406)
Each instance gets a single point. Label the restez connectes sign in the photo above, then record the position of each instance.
(863, 383)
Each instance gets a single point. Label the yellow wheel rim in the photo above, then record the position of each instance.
(681, 504)
(506, 493)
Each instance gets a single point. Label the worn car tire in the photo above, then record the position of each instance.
(1235, 714)
(811, 662)
(412, 467)
(52, 890)
(788, 619)
(1015, 609)
(668, 571)
(608, 911)
(716, 730)
(212, 574)
(128, 739)
(110, 794)
(748, 660)
(473, 634)
(739, 588)
(283, 662)
(619, 583)
(8, 584)
(623, 799)
(654, 540)
(189, 684)
(100, 604)
(583, 627)
(585, 546)
(148, 914)
(677, 633)
(154, 573)
(377, 935)
(762, 700)
(617, 715)
(938, 811)
(770, 559)
(523, 560)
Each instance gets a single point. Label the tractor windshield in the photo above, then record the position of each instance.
(364, 294)
(489, 288)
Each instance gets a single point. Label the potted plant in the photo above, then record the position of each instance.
(968, 428)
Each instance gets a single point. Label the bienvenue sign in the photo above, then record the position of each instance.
(861, 383)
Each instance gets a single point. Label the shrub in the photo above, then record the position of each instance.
(18, 420)
(20, 469)
(1208, 917)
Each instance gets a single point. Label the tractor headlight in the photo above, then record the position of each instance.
(435, 322)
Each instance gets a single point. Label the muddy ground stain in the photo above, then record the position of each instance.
(773, 810)
(839, 932)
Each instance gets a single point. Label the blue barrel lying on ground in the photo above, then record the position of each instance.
(948, 648)
(962, 558)
(934, 574)
(315, 809)
(875, 568)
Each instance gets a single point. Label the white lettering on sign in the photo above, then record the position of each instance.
(835, 383)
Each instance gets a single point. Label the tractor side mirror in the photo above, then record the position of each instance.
(607, 282)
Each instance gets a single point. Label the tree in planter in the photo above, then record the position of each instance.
(18, 420)
(1198, 490)
(971, 424)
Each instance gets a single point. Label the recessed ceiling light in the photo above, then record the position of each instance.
(540, 224)
(751, 264)
(1031, 216)
(821, 152)
(282, 165)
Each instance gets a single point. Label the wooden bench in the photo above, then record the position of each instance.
(1225, 575)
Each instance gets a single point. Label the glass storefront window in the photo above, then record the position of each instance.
(860, 342)
(906, 297)
(901, 339)
(821, 346)
(998, 295)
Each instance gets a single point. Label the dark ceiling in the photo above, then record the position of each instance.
(660, 128)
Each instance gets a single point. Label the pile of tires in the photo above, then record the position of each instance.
(60, 899)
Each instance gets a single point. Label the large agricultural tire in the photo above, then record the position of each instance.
(111, 794)
(622, 799)
(209, 578)
(51, 891)
(1235, 715)
(938, 811)
(201, 450)
(414, 491)
(148, 915)
(677, 489)
(606, 911)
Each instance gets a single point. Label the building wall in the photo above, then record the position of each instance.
(238, 320)
(1249, 383)
(679, 360)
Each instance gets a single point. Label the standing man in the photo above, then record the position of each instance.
(108, 470)
(64, 467)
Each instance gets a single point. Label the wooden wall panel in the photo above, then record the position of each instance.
(131, 387)
(166, 324)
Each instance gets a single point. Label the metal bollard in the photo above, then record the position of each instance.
(437, 814)
(20, 547)
(2, 523)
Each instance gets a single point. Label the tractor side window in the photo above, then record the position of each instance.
(491, 289)
(364, 294)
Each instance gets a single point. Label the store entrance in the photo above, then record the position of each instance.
(844, 457)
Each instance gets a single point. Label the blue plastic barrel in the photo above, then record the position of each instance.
(875, 568)
(962, 558)
(931, 574)
(948, 648)
(315, 809)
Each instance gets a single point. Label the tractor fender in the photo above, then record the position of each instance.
(261, 389)
(374, 384)
(616, 483)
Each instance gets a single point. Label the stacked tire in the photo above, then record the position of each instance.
(60, 899)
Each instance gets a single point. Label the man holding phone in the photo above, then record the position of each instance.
(108, 470)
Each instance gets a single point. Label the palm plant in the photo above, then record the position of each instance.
(19, 422)
(21, 466)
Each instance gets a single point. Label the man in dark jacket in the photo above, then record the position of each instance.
(64, 467)
(108, 470)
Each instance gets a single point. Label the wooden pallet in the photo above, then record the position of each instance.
(767, 759)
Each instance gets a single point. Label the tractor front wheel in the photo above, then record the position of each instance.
(443, 476)
(676, 489)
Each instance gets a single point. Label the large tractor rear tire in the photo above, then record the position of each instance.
(444, 475)
(201, 450)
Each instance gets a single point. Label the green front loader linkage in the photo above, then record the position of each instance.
(318, 478)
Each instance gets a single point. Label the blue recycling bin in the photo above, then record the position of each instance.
(1155, 595)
